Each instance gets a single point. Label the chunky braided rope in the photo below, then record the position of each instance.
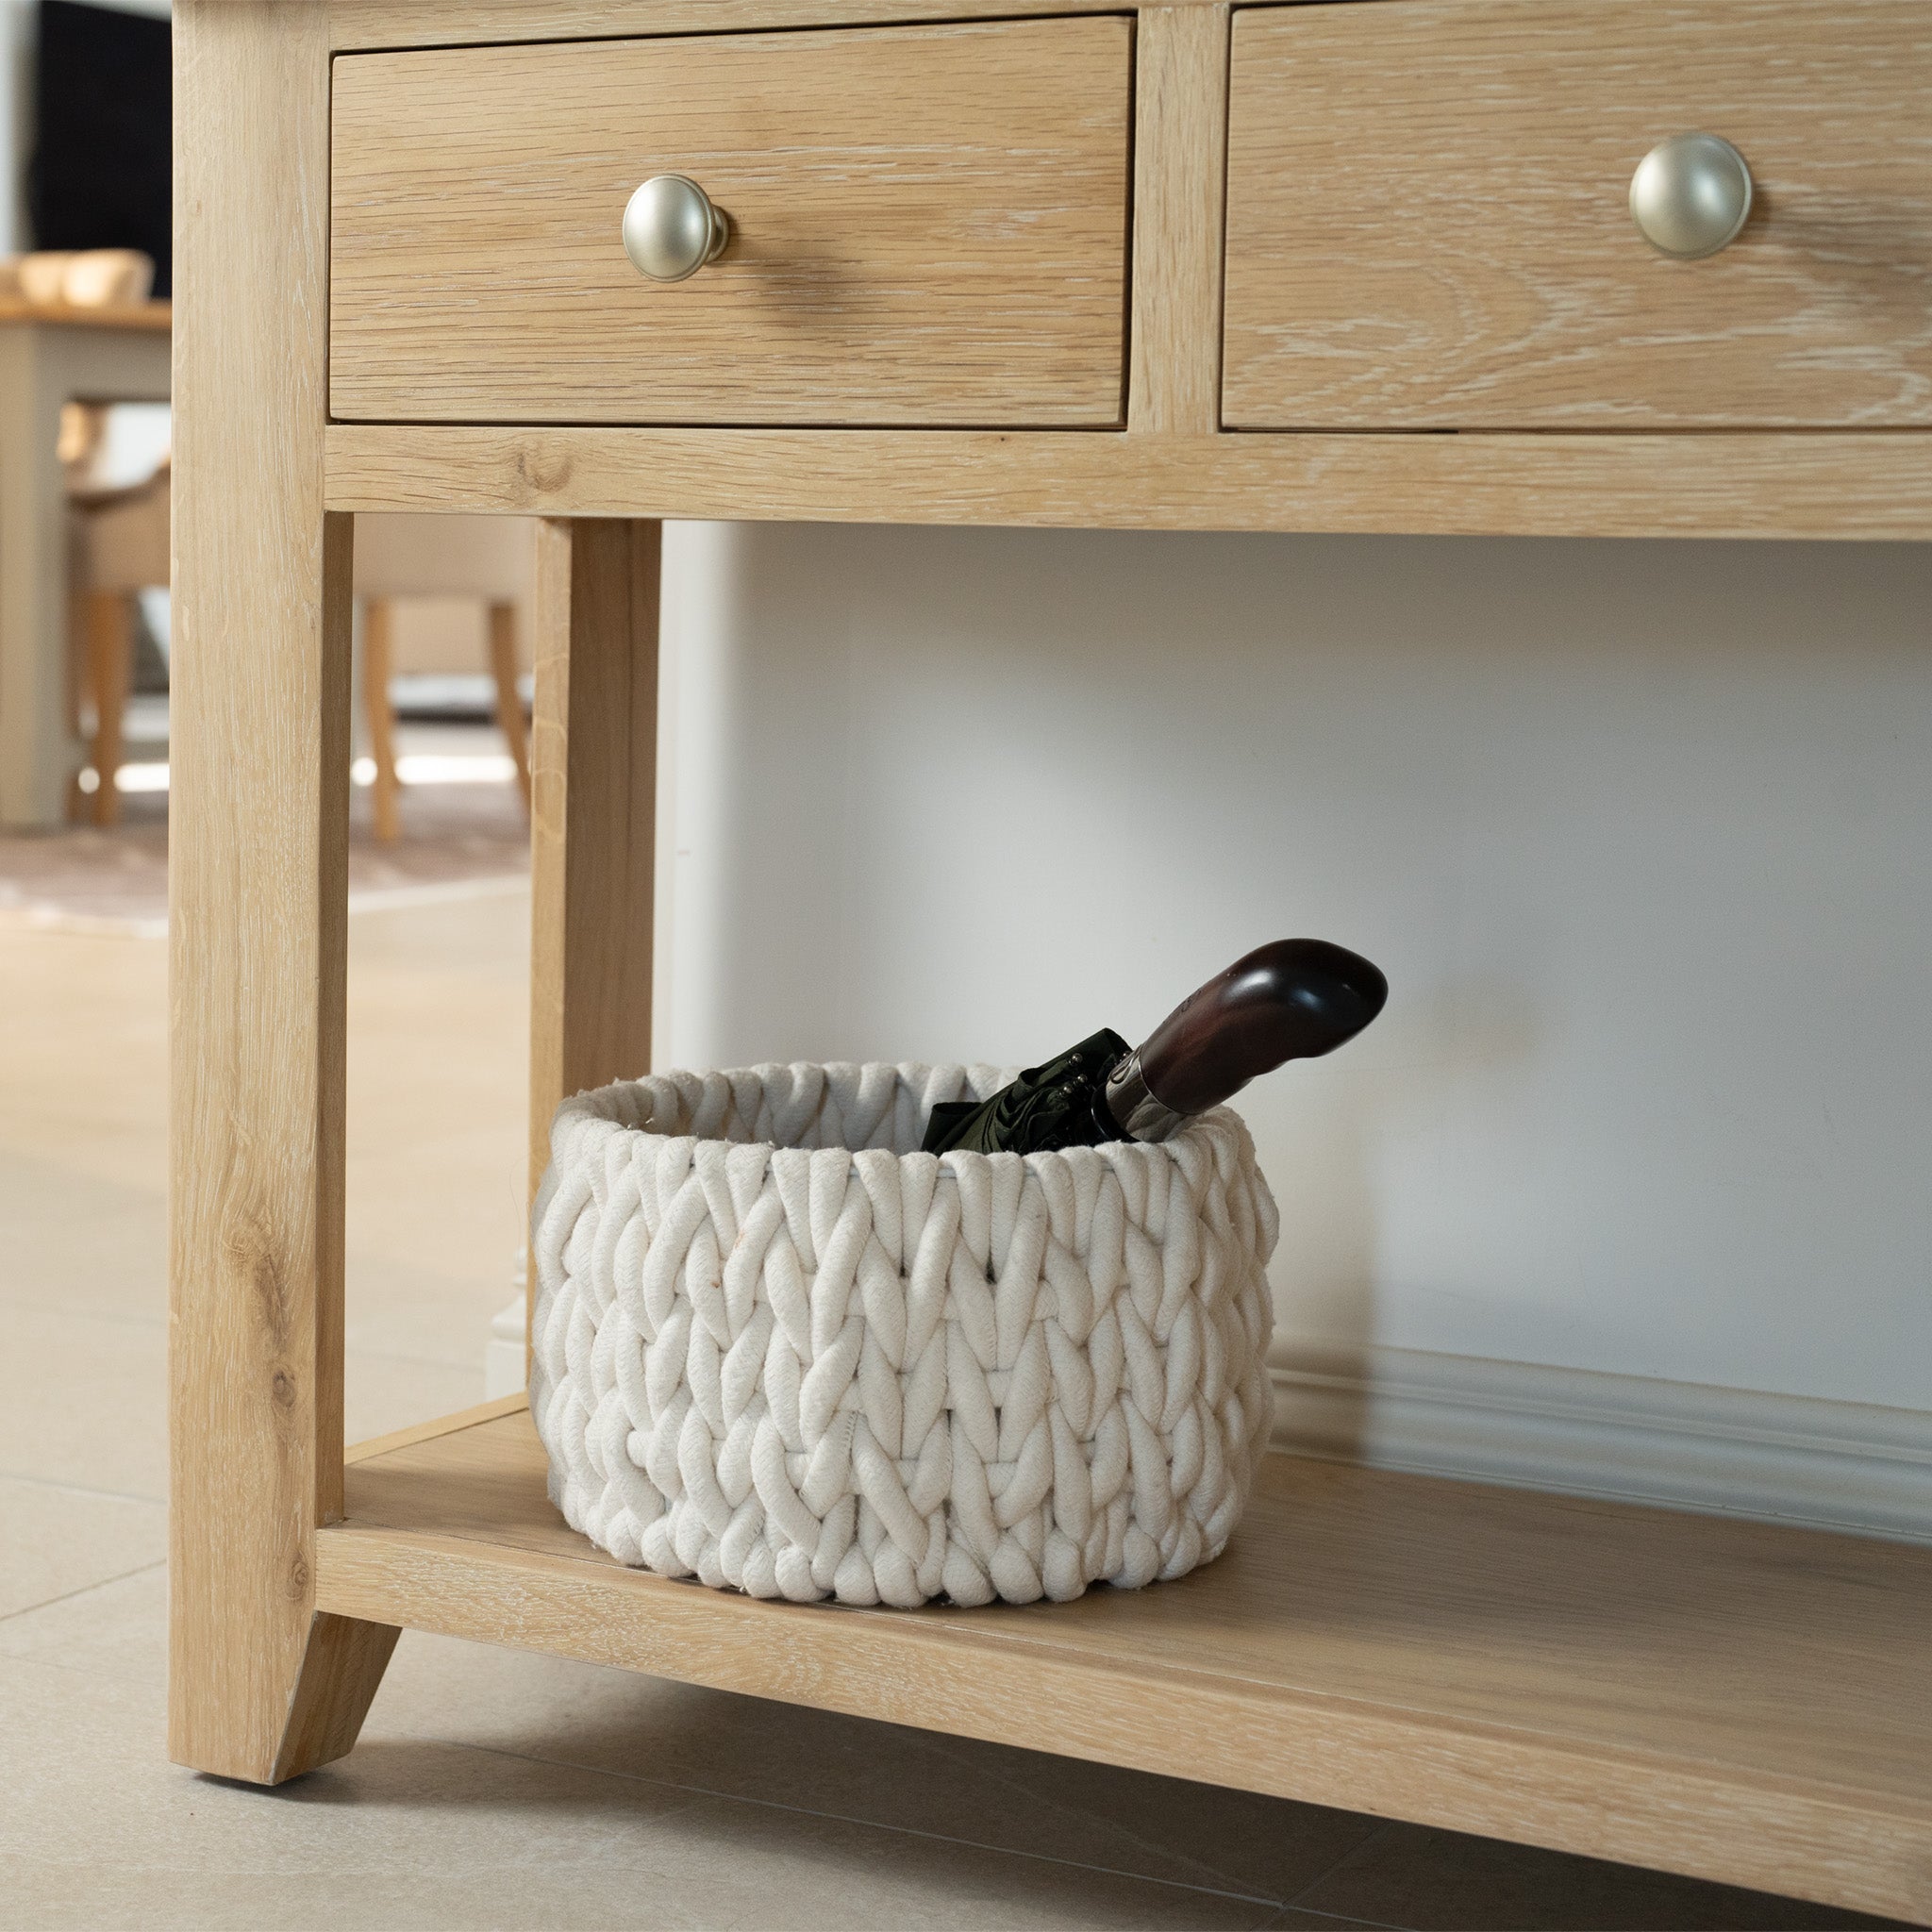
(777, 1364)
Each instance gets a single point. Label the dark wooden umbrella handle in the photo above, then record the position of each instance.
(1291, 1000)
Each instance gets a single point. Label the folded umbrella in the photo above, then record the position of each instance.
(1293, 999)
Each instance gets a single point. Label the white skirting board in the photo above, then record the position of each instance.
(1787, 1459)
(1783, 1459)
(503, 1355)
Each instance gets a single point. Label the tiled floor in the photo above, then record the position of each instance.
(493, 1788)
(456, 837)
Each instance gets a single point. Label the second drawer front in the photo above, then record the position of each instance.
(1429, 218)
(929, 226)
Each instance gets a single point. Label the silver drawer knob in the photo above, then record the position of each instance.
(1691, 194)
(671, 229)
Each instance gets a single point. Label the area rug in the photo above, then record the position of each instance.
(459, 840)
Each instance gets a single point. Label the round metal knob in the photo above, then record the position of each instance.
(1691, 194)
(671, 229)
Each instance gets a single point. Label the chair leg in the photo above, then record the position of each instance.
(378, 656)
(110, 635)
(78, 693)
(510, 706)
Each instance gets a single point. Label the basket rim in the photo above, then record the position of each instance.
(1201, 1128)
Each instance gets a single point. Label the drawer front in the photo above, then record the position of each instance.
(1429, 218)
(928, 226)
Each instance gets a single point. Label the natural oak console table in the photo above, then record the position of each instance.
(1332, 266)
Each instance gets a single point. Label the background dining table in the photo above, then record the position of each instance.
(50, 356)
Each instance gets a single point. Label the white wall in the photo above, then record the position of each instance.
(1642, 833)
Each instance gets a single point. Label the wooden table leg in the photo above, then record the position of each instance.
(594, 777)
(260, 1686)
(510, 705)
(36, 754)
(107, 627)
(378, 707)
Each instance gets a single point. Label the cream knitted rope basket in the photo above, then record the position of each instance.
(778, 1351)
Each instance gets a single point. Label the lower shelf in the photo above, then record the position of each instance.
(1729, 1700)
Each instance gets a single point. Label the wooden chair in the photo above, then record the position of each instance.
(118, 547)
(403, 556)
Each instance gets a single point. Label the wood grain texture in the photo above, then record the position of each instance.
(455, 23)
(929, 226)
(1874, 484)
(1731, 1700)
(257, 893)
(155, 317)
(1428, 219)
(342, 1670)
(1180, 158)
(593, 766)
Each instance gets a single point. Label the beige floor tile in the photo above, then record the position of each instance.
(1443, 1881)
(81, 1241)
(438, 1154)
(96, 1416)
(712, 1743)
(55, 1541)
(383, 1392)
(715, 1742)
(116, 1630)
(413, 1832)
(94, 1410)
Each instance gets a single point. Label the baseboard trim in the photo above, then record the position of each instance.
(503, 1358)
(1787, 1459)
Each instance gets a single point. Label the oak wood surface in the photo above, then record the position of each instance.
(343, 1663)
(1729, 1699)
(1746, 484)
(1180, 155)
(454, 22)
(928, 226)
(1428, 219)
(594, 764)
(261, 1688)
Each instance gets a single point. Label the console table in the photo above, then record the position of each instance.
(1332, 266)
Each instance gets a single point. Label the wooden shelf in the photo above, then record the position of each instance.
(1731, 1700)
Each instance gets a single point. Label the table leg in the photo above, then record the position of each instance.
(509, 706)
(378, 705)
(261, 1685)
(106, 629)
(593, 778)
(38, 754)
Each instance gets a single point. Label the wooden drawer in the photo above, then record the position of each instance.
(928, 227)
(1428, 220)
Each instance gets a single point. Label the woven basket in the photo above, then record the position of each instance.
(778, 1352)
